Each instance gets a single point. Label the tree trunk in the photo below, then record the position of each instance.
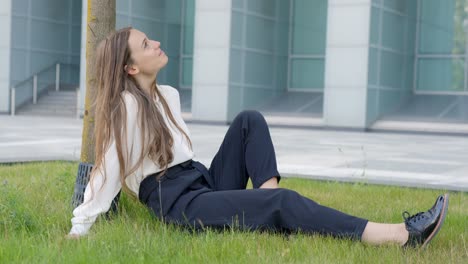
(100, 23)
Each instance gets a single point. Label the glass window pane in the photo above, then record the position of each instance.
(441, 74)
(441, 28)
(238, 4)
(255, 96)
(389, 100)
(258, 69)
(309, 26)
(173, 34)
(259, 33)
(236, 28)
(375, 25)
(235, 66)
(397, 5)
(153, 9)
(188, 29)
(391, 69)
(373, 66)
(372, 104)
(394, 31)
(307, 73)
(187, 64)
(264, 7)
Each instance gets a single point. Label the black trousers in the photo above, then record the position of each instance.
(191, 195)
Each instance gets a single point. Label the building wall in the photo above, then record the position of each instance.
(171, 23)
(346, 63)
(258, 53)
(5, 52)
(277, 46)
(367, 56)
(308, 30)
(416, 47)
(160, 20)
(211, 50)
(441, 45)
(391, 56)
(188, 27)
(42, 33)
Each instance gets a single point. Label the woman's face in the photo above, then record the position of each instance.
(147, 55)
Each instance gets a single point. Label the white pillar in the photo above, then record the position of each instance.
(211, 60)
(82, 94)
(346, 63)
(5, 54)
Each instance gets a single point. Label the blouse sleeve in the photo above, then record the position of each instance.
(99, 200)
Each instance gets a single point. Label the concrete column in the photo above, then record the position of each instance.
(346, 63)
(5, 54)
(211, 60)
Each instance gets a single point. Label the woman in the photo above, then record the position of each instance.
(144, 147)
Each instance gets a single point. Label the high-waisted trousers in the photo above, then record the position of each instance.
(191, 195)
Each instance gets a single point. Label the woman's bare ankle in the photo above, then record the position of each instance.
(379, 233)
(270, 184)
(404, 234)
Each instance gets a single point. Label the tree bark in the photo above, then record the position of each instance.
(100, 23)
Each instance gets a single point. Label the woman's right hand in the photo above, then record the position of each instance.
(72, 236)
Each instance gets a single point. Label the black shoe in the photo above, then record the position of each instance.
(423, 226)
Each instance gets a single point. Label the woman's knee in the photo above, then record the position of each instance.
(251, 116)
(286, 197)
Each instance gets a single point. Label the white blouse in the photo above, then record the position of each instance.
(85, 215)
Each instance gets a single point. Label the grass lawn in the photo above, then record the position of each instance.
(35, 214)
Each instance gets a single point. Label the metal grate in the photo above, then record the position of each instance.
(82, 179)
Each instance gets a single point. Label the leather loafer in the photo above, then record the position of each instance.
(423, 226)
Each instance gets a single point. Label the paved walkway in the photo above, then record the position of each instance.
(398, 159)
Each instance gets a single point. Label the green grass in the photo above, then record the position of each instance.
(35, 215)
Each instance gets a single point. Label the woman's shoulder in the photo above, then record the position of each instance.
(128, 97)
(168, 90)
(130, 100)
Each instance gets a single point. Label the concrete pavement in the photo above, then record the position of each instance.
(430, 161)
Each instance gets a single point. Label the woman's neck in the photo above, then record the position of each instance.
(146, 83)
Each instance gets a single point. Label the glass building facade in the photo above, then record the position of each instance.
(273, 43)
(43, 33)
(329, 63)
(417, 61)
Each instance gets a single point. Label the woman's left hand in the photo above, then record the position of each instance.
(72, 236)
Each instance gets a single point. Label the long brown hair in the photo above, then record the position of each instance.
(113, 53)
